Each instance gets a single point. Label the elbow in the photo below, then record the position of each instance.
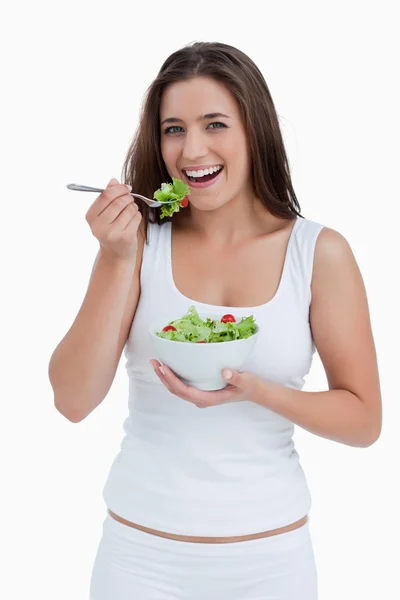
(371, 434)
(371, 429)
(74, 418)
(71, 415)
(371, 440)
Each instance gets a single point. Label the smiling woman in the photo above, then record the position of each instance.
(214, 503)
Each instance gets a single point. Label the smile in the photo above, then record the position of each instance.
(199, 179)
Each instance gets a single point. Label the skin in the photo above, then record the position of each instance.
(226, 229)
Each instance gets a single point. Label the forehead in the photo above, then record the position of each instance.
(200, 95)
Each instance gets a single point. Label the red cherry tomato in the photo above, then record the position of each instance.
(201, 342)
(169, 328)
(228, 319)
(185, 202)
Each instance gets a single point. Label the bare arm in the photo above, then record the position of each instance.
(83, 365)
(351, 411)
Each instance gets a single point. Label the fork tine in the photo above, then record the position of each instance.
(149, 201)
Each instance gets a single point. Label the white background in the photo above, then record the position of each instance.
(74, 75)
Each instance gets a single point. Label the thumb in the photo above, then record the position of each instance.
(238, 379)
(113, 181)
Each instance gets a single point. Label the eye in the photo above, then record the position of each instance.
(217, 123)
(169, 129)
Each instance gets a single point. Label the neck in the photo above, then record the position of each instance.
(241, 218)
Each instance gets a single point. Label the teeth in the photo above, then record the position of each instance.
(202, 172)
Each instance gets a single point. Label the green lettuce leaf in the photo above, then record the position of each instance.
(175, 191)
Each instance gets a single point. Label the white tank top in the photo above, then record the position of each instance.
(226, 470)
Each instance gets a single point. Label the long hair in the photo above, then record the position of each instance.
(144, 168)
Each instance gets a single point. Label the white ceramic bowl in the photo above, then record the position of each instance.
(200, 365)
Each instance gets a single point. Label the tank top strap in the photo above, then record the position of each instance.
(301, 261)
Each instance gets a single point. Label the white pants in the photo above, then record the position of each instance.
(133, 565)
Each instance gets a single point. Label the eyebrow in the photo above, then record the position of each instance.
(201, 118)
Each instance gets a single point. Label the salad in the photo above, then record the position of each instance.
(191, 328)
(177, 191)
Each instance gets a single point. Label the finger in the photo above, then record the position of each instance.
(163, 380)
(116, 207)
(106, 198)
(181, 389)
(125, 217)
(110, 194)
(193, 393)
(154, 363)
(156, 366)
(133, 225)
(198, 397)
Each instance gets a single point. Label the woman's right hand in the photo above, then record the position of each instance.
(114, 219)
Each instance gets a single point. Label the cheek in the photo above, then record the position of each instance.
(235, 153)
(169, 151)
(238, 165)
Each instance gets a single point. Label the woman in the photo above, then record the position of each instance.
(213, 504)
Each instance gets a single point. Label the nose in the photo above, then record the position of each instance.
(194, 147)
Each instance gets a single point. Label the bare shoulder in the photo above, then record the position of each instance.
(337, 286)
(334, 263)
(331, 246)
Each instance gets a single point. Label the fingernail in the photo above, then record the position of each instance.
(152, 365)
(227, 374)
(129, 187)
(162, 370)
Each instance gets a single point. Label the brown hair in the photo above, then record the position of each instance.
(144, 168)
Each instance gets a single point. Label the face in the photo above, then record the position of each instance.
(201, 130)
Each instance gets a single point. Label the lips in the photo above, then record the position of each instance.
(204, 181)
(204, 178)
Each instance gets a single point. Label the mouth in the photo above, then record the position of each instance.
(204, 181)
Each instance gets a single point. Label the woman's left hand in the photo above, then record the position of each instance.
(242, 386)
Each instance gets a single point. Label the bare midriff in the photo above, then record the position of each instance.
(211, 540)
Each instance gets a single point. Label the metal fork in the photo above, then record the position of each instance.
(85, 188)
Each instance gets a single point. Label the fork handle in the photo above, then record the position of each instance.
(83, 188)
(87, 188)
